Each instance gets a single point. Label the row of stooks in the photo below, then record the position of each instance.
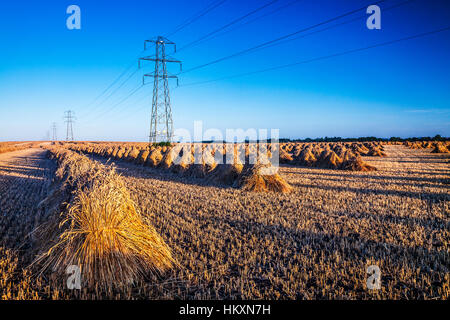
(437, 146)
(202, 161)
(345, 156)
(13, 146)
(91, 221)
(336, 155)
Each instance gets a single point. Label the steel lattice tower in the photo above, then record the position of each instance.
(69, 119)
(54, 138)
(161, 123)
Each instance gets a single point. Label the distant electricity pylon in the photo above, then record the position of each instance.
(161, 124)
(54, 137)
(69, 119)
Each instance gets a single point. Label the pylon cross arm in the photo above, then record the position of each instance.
(159, 60)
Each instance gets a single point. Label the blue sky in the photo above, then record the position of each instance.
(396, 90)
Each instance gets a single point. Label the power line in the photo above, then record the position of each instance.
(118, 103)
(262, 45)
(140, 108)
(129, 104)
(120, 113)
(210, 34)
(189, 21)
(182, 48)
(113, 83)
(132, 104)
(322, 57)
(197, 16)
(109, 87)
(337, 24)
(116, 89)
(303, 36)
(257, 18)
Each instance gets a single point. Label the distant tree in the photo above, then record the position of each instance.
(162, 144)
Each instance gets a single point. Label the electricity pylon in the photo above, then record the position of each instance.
(69, 119)
(54, 138)
(161, 123)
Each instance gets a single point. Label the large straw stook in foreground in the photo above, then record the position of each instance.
(101, 231)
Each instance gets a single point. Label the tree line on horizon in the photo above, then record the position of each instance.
(437, 137)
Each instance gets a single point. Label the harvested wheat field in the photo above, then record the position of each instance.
(212, 231)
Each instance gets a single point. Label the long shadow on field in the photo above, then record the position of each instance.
(399, 183)
(298, 236)
(431, 223)
(29, 172)
(18, 204)
(437, 172)
(295, 247)
(425, 221)
(431, 196)
(415, 161)
(432, 156)
(266, 254)
(375, 177)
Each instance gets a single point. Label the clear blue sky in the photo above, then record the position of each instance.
(398, 90)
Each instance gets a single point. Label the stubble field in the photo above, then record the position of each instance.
(314, 242)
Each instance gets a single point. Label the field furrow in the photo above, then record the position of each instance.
(25, 176)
